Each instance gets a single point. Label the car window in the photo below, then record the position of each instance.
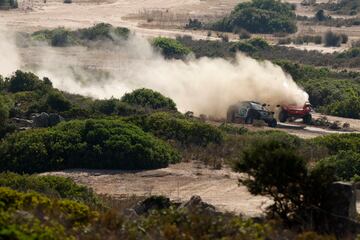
(257, 107)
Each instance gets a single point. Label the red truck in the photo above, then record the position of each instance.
(296, 112)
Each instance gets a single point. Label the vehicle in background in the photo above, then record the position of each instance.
(248, 111)
(295, 112)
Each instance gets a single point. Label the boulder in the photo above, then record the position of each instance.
(55, 119)
(152, 203)
(40, 120)
(196, 203)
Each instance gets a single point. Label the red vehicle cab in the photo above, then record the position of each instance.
(296, 112)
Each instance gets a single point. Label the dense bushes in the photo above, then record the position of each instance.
(84, 144)
(148, 98)
(53, 186)
(346, 164)
(34, 216)
(339, 142)
(103, 31)
(185, 131)
(260, 16)
(61, 37)
(171, 48)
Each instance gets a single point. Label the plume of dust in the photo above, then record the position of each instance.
(9, 57)
(204, 85)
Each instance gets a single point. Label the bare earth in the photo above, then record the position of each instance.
(178, 182)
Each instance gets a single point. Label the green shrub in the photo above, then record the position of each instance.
(34, 216)
(260, 16)
(332, 39)
(57, 102)
(61, 38)
(171, 48)
(339, 142)
(148, 98)
(107, 106)
(185, 131)
(103, 31)
(346, 164)
(52, 186)
(243, 47)
(259, 43)
(351, 53)
(110, 144)
(4, 109)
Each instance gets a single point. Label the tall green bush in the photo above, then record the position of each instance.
(110, 144)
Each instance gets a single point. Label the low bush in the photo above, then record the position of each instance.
(176, 127)
(332, 39)
(346, 165)
(339, 142)
(52, 186)
(148, 98)
(61, 37)
(110, 144)
(102, 31)
(34, 216)
(171, 48)
(57, 102)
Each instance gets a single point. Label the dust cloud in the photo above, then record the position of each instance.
(9, 57)
(202, 85)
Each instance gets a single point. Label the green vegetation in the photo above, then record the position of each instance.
(61, 37)
(260, 16)
(51, 186)
(148, 98)
(77, 144)
(34, 216)
(171, 48)
(347, 7)
(346, 165)
(176, 127)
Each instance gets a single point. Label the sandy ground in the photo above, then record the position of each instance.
(117, 12)
(179, 182)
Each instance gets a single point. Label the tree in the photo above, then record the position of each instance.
(275, 170)
(260, 16)
(23, 81)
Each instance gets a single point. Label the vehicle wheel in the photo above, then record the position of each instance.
(249, 120)
(272, 123)
(307, 119)
(230, 117)
(283, 116)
